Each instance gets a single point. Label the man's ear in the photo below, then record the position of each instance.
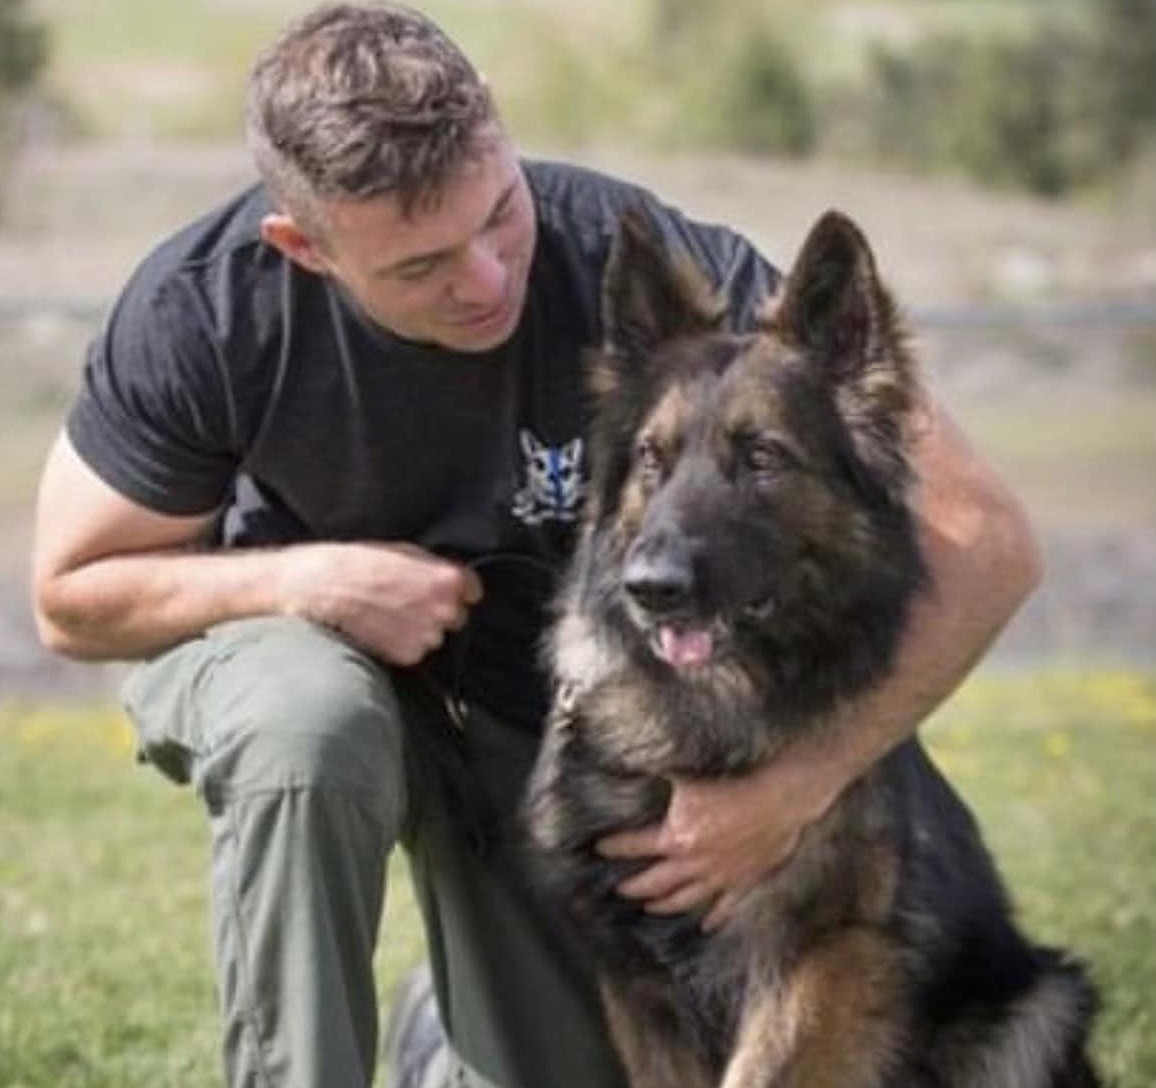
(284, 235)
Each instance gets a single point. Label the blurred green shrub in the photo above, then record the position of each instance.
(1124, 54)
(1058, 108)
(763, 104)
(23, 46)
(23, 53)
(1059, 97)
(732, 77)
(1005, 111)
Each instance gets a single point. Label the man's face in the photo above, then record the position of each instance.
(453, 274)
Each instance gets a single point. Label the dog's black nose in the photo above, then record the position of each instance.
(660, 582)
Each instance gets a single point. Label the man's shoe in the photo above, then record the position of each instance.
(414, 1033)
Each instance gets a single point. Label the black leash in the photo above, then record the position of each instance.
(458, 650)
(447, 749)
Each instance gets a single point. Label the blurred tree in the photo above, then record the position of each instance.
(1042, 110)
(23, 48)
(673, 19)
(766, 106)
(1126, 44)
(736, 78)
(1021, 118)
(23, 53)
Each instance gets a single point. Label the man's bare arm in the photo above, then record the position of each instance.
(720, 836)
(985, 561)
(112, 579)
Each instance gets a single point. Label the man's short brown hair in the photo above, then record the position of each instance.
(354, 101)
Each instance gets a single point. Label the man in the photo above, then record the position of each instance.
(324, 463)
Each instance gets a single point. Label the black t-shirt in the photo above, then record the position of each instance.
(230, 379)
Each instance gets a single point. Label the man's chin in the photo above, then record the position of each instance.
(478, 344)
(484, 335)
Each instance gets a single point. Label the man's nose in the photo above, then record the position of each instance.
(483, 276)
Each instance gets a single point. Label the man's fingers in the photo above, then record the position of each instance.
(720, 913)
(458, 618)
(656, 882)
(631, 844)
(472, 589)
(688, 898)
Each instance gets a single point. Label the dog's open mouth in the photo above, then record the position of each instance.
(686, 644)
(684, 647)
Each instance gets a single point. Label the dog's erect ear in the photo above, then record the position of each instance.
(832, 303)
(650, 295)
(834, 307)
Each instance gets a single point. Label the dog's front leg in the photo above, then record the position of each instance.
(834, 1022)
(646, 1034)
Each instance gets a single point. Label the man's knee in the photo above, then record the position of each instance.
(280, 704)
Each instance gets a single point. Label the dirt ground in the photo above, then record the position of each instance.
(1061, 395)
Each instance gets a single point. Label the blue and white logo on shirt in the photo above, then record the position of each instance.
(554, 487)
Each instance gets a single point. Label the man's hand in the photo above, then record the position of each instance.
(721, 836)
(394, 600)
(113, 579)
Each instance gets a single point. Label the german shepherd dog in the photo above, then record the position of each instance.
(748, 561)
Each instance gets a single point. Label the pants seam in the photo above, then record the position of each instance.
(251, 1013)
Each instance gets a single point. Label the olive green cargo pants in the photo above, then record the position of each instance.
(313, 764)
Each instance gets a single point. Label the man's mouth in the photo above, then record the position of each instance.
(486, 318)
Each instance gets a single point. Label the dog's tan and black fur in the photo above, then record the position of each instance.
(748, 562)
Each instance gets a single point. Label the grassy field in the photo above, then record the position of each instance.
(103, 962)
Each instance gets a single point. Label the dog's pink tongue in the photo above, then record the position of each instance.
(685, 649)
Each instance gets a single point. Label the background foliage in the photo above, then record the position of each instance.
(23, 54)
(1049, 107)
(1045, 95)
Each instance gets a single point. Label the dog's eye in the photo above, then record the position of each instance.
(648, 458)
(766, 458)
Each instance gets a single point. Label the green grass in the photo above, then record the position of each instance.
(103, 937)
(104, 970)
(1061, 768)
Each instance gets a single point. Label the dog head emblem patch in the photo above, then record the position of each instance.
(553, 486)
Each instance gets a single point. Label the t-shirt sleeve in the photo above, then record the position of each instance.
(153, 417)
(737, 269)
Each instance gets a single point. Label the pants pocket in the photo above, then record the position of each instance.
(157, 697)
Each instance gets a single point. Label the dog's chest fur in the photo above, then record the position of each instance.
(613, 748)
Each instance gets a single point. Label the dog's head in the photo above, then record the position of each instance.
(752, 487)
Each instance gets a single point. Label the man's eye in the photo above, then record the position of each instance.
(418, 270)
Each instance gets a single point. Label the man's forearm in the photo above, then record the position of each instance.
(131, 606)
(984, 562)
(945, 641)
(396, 601)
